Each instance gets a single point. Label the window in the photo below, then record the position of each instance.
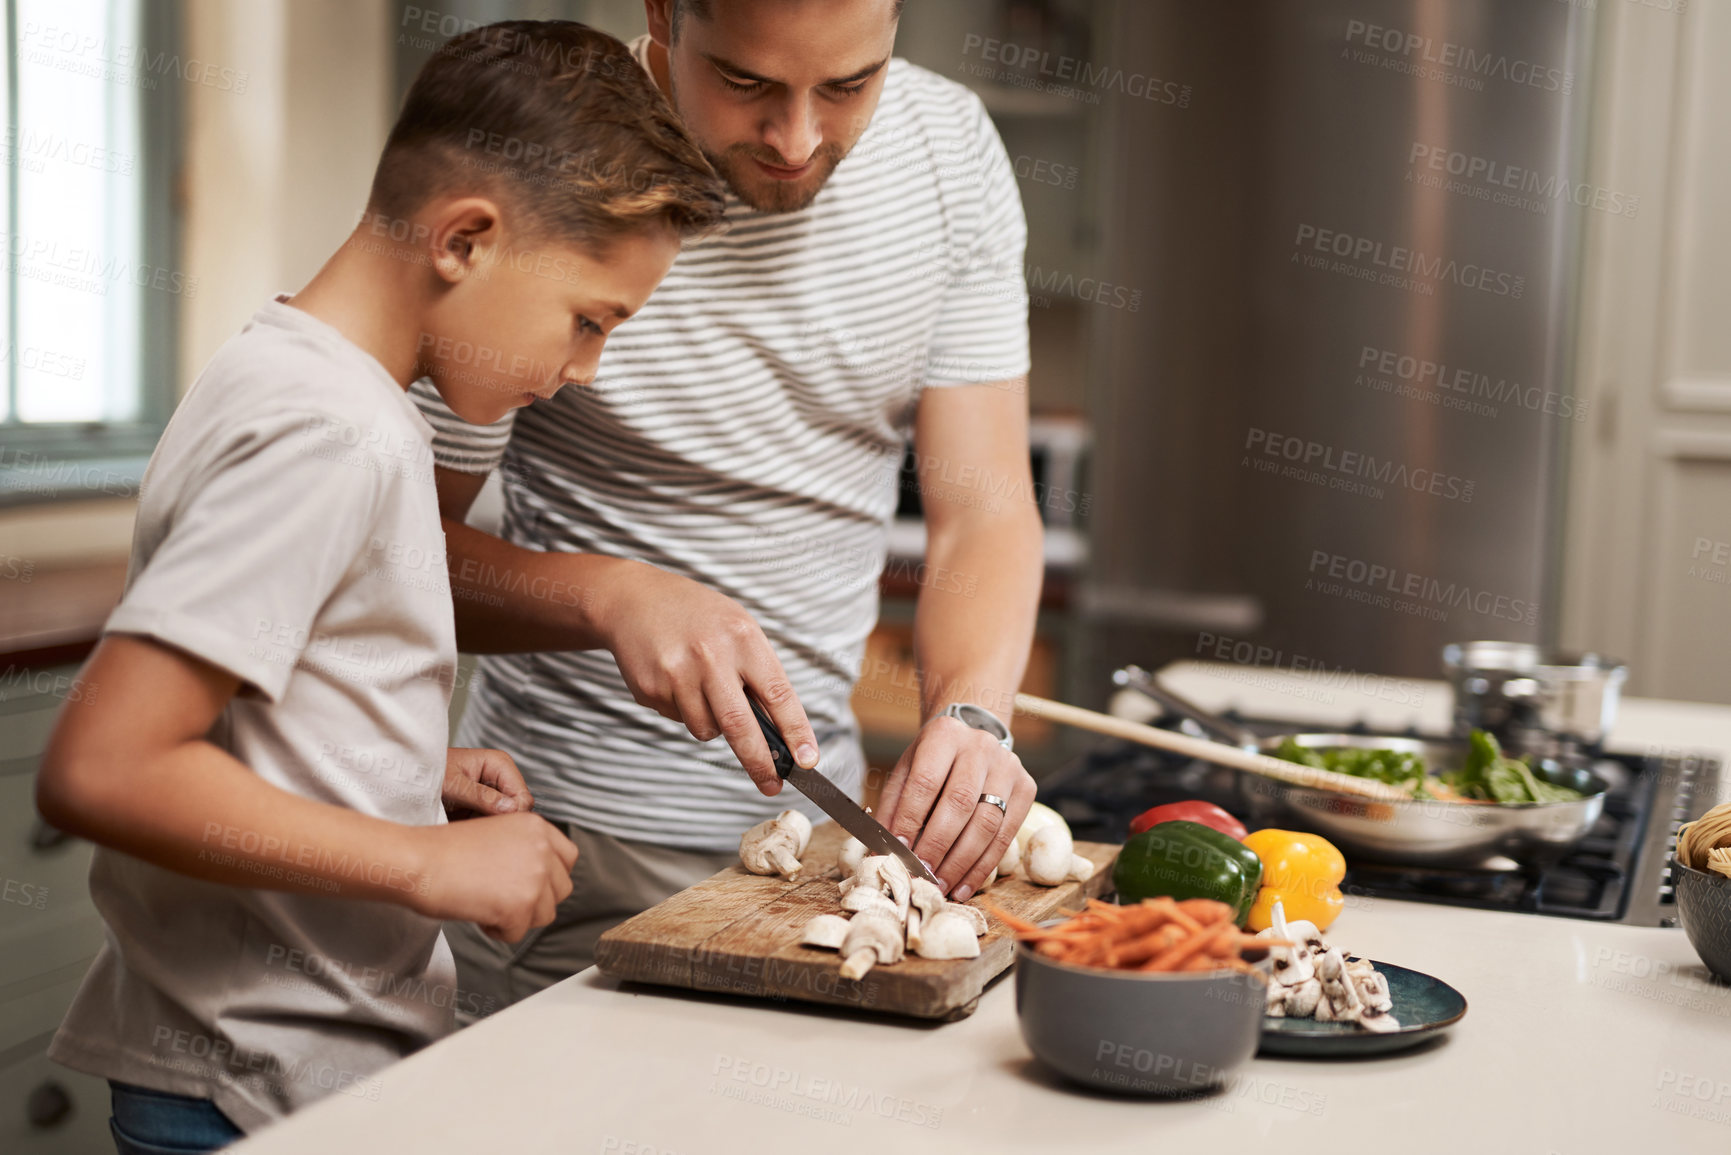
(91, 277)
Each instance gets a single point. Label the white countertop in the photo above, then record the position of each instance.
(1579, 1037)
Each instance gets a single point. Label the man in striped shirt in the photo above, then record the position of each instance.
(706, 515)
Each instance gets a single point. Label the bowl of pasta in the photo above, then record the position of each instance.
(1701, 875)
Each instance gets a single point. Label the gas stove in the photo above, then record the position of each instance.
(1619, 872)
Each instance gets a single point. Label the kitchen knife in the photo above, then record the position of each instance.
(848, 814)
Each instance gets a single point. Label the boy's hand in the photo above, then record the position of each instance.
(690, 654)
(483, 782)
(505, 873)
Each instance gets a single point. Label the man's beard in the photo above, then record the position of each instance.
(737, 166)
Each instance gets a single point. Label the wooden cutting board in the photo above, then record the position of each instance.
(738, 933)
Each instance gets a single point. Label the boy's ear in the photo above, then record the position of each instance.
(462, 236)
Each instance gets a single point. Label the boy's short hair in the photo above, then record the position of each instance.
(557, 119)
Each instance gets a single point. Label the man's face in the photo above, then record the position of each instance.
(776, 92)
(534, 316)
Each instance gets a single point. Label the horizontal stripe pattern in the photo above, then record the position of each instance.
(745, 430)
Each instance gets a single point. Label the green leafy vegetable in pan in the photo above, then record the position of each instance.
(1486, 775)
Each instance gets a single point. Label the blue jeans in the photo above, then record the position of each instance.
(147, 1122)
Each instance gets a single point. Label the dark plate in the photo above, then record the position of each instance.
(1424, 1007)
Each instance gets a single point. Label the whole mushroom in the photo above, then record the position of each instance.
(1049, 855)
(774, 845)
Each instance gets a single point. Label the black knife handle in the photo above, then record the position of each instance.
(778, 751)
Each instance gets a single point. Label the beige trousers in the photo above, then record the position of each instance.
(612, 880)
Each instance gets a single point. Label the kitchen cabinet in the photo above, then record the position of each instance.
(49, 933)
(1646, 570)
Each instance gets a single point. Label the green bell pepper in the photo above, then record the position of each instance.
(1188, 860)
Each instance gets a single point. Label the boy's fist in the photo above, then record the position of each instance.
(483, 782)
(505, 873)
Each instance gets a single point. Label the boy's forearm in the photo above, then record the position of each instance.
(512, 600)
(197, 811)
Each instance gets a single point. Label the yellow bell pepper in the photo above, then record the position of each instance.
(1303, 871)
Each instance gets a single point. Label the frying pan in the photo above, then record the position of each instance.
(1410, 833)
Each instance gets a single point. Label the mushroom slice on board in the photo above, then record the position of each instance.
(975, 916)
(947, 936)
(924, 901)
(828, 931)
(863, 898)
(874, 937)
(885, 873)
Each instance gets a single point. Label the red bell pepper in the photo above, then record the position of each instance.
(1195, 810)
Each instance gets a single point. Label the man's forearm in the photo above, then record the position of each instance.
(974, 623)
(512, 600)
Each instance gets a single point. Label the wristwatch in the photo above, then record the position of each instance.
(979, 718)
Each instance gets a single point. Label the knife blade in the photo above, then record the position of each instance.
(848, 814)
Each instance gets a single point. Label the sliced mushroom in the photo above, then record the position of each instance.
(885, 873)
(828, 931)
(872, 938)
(924, 901)
(1292, 965)
(865, 898)
(1303, 999)
(1372, 988)
(975, 916)
(948, 936)
(774, 845)
(1379, 1021)
(1047, 860)
(848, 859)
(1342, 996)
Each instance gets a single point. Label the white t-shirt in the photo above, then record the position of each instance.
(288, 532)
(744, 430)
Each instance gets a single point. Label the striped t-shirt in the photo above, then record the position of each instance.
(744, 430)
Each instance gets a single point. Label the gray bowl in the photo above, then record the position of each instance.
(1704, 905)
(1134, 1033)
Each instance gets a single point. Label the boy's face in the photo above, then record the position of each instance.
(531, 318)
(776, 92)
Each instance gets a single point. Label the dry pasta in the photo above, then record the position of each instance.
(1705, 843)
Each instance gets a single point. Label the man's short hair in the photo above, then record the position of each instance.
(557, 120)
(700, 9)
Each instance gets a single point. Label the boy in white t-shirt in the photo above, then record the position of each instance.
(259, 750)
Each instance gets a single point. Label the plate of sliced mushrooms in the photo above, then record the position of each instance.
(1324, 1001)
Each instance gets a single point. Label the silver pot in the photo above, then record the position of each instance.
(1417, 833)
(1541, 702)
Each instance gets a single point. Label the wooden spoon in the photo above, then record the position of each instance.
(1276, 768)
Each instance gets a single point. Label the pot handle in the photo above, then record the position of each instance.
(1217, 728)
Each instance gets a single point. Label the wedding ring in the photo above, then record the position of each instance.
(998, 802)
